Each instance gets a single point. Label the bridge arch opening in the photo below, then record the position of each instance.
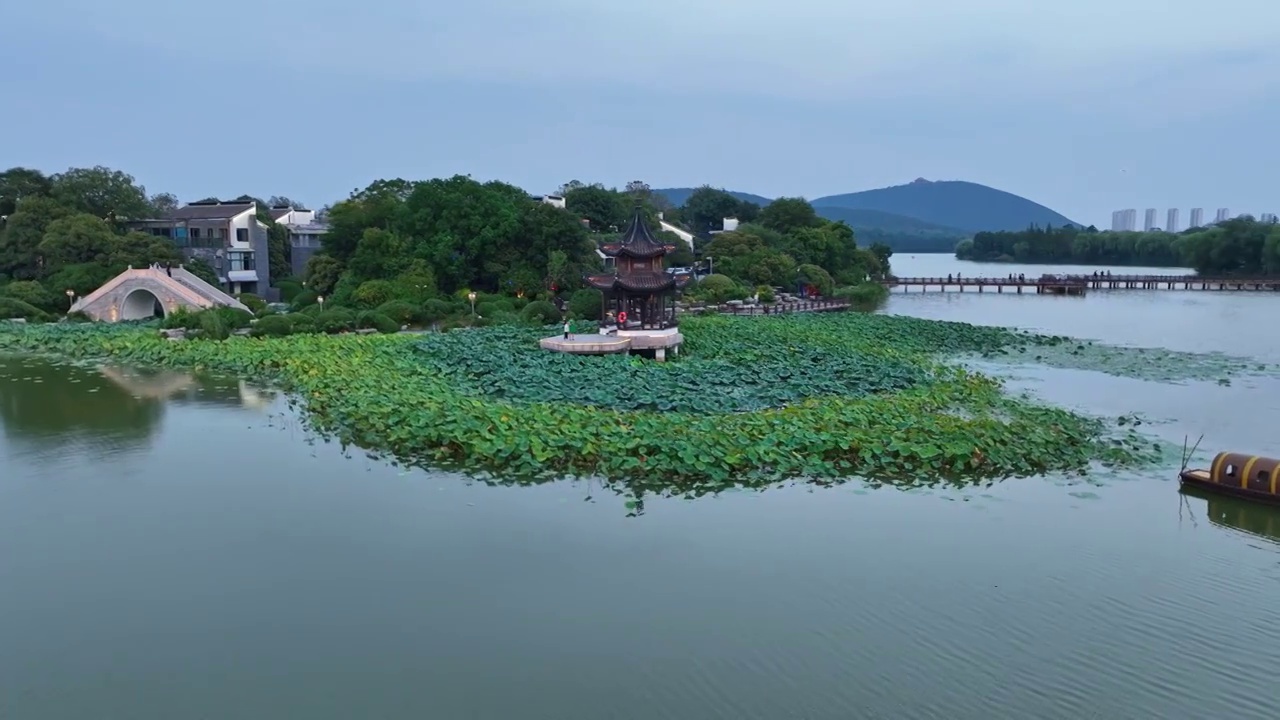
(141, 304)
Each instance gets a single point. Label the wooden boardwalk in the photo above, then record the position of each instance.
(785, 308)
(1080, 284)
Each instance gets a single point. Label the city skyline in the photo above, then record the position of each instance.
(1126, 220)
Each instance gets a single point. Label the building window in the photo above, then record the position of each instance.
(242, 235)
(240, 261)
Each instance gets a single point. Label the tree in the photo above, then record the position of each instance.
(19, 183)
(707, 207)
(101, 192)
(602, 208)
(375, 206)
(277, 201)
(164, 204)
(76, 239)
(789, 214)
(23, 233)
(322, 273)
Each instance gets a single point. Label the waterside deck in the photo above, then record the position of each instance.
(647, 342)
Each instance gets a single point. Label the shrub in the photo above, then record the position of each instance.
(436, 310)
(212, 326)
(817, 277)
(863, 295)
(765, 294)
(255, 304)
(273, 326)
(539, 312)
(289, 290)
(13, 308)
(373, 293)
(78, 317)
(30, 292)
(304, 299)
(717, 288)
(181, 318)
(585, 304)
(232, 318)
(301, 323)
(403, 312)
(377, 321)
(335, 320)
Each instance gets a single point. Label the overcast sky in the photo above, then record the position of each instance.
(1086, 106)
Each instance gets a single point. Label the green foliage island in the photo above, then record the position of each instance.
(752, 401)
(1240, 246)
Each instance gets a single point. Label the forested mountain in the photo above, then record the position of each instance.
(952, 203)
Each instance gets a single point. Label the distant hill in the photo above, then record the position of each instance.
(951, 203)
(902, 233)
(879, 220)
(677, 196)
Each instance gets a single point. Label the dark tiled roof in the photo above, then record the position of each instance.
(279, 212)
(646, 281)
(601, 282)
(637, 241)
(220, 211)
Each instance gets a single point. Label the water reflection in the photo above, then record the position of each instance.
(46, 404)
(1251, 518)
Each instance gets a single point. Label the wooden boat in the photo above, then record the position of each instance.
(1245, 476)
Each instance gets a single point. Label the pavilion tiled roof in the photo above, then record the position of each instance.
(637, 282)
(636, 241)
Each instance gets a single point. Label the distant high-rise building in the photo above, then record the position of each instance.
(1149, 220)
(1197, 217)
(1124, 220)
(1171, 223)
(1223, 215)
(1268, 217)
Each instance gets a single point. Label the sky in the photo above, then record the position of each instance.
(1085, 106)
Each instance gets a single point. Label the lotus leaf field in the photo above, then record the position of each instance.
(750, 401)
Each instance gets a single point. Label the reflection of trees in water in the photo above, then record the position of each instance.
(1244, 516)
(45, 401)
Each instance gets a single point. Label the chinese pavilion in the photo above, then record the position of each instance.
(641, 291)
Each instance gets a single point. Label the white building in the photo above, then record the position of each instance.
(1197, 217)
(1149, 220)
(1171, 222)
(1223, 215)
(1124, 220)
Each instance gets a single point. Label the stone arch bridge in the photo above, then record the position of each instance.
(141, 293)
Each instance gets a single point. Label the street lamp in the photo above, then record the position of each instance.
(320, 299)
(472, 297)
(71, 298)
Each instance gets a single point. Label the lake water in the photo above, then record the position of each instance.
(173, 547)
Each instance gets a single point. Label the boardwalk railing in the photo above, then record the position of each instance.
(782, 308)
(1074, 284)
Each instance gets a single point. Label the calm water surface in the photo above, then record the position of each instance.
(173, 547)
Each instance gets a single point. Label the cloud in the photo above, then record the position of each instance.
(808, 50)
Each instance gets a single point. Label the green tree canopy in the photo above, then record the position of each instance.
(789, 214)
(102, 192)
(1237, 246)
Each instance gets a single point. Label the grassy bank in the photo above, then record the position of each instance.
(750, 401)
